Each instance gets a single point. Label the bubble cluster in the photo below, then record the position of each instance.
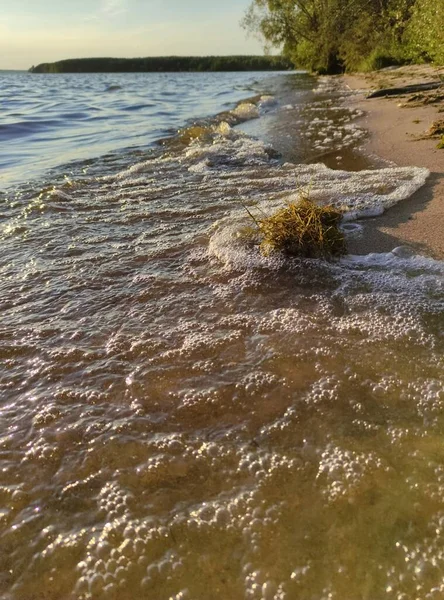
(328, 134)
(246, 110)
(345, 472)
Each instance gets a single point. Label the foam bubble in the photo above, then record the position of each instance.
(267, 102)
(359, 194)
(246, 111)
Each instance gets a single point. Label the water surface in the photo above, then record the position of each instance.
(183, 418)
(48, 120)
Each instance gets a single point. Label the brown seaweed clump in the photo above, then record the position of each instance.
(302, 229)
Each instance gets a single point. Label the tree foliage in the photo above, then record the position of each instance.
(425, 32)
(337, 35)
(160, 64)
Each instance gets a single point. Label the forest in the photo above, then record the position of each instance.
(334, 36)
(166, 64)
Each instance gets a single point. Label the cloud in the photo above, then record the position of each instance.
(108, 9)
(113, 8)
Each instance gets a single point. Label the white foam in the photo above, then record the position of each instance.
(360, 194)
(236, 168)
(224, 128)
(267, 102)
(226, 245)
(400, 259)
(246, 111)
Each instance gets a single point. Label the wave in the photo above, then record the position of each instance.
(217, 160)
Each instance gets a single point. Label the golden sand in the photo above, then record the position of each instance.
(399, 133)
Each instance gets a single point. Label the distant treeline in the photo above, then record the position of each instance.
(160, 64)
(332, 36)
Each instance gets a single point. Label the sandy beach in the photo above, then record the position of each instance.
(398, 132)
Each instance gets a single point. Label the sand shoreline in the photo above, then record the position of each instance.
(417, 222)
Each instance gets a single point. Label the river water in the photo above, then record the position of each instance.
(181, 417)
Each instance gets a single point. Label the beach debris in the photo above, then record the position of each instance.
(303, 229)
(423, 99)
(408, 89)
(436, 128)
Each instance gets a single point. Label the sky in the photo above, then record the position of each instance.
(36, 31)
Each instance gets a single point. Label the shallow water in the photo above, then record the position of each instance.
(183, 418)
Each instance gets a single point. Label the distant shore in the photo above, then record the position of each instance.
(399, 131)
(165, 64)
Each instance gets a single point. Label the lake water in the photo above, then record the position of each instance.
(53, 119)
(181, 417)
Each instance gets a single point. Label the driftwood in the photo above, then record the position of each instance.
(408, 89)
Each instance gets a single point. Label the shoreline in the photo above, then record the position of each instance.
(393, 136)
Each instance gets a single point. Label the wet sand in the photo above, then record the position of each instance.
(393, 135)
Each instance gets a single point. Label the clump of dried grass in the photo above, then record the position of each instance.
(436, 128)
(422, 99)
(301, 229)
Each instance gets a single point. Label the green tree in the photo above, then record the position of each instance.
(333, 35)
(303, 28)
(425, 31)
